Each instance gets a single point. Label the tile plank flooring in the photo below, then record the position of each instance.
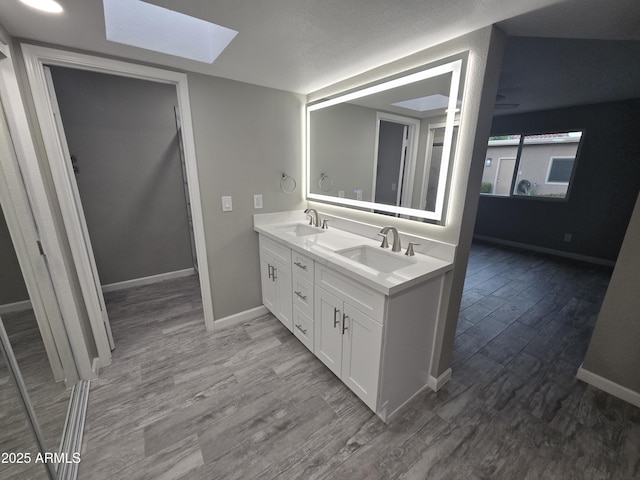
(251, 402)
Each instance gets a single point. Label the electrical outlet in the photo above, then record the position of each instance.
(567, 237)
(257, 201)
(358, 193)
(341, 193)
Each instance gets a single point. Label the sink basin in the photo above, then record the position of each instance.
(300, 230)
(376, 258)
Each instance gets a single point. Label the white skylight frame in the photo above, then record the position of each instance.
(148, 26)
(455, 68)
(424, 104)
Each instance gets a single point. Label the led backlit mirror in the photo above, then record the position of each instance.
(387, 148)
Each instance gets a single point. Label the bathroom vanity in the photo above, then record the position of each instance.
(369, 314)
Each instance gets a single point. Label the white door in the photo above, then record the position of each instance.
(504, 176)
(93, 292)
(361, 345)
(328, 330)
(282, 276)
(269, 294)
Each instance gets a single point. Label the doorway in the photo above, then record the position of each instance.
(36, 58)
(396, 150)
(504, 176)
(124, 152)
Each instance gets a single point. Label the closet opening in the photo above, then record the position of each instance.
(128, 174)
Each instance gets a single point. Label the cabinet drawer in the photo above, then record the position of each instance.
(302, 265)
(363, 298)
(303, 328)
(279, 252)
(302, 294)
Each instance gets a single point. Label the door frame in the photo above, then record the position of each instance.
(36, 57)
(408, 164)
(428, 157)
(50, 280)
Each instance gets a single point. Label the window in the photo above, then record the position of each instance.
(539, 165)
(560, 169)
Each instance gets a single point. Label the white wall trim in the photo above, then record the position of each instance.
(151, 279)
(550, 251)
(241, 317)
(436, 384)
(15, 307)
(51, 277)
(608, 386)
(35, 59)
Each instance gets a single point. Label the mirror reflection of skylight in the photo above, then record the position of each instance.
(423, 104)
(143, 25)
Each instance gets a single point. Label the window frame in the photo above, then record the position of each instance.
(551, 160)
(521, 143)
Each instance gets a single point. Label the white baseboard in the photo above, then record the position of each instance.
(15, 307)
(608, 386)
(240, 318)
(138, 282)
(550, 251)
(436, 384)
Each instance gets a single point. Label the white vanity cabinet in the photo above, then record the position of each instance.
(379, 343)
(349, 343)
(275, 273)
(303, 298)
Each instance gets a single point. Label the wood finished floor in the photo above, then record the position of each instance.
(50, 400)
(251, 401)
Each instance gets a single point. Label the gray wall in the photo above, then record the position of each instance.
(12, 287)
(606, 183)
(343, 141)
(245, 137)
(613, 352)
(123, 133)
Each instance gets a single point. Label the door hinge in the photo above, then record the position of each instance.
(40, 247)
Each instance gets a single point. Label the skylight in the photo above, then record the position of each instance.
(423, 104)
(143, 25)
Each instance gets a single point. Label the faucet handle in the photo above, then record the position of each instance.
(385, 240)
(325, 224)
(410, 252)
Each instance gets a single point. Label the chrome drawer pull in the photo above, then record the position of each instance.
(298, 264)
(336, 318)
(300, 295)
(344, 323)
(299, 327)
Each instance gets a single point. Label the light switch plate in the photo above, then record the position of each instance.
(257, 201)
(227, 204)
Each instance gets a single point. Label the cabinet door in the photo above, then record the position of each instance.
(284, 309)
(328, 330)
(361, 350)
(269, 293)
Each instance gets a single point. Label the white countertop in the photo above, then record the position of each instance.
(323, 247)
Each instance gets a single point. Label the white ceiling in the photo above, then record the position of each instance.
(294, 45)
(305, 45)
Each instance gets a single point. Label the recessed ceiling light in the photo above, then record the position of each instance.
(148, 26)
(50, 6)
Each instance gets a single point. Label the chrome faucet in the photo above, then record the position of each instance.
(314, 219)
(396, 239)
